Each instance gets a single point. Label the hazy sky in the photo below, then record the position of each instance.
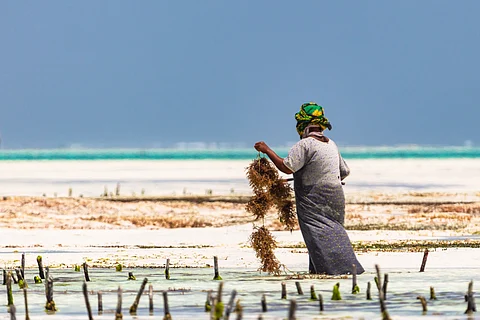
(155, 73)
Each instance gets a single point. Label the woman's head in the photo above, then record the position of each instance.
(311, 115)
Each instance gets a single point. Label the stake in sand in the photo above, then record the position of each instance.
(215, 265)
(299, 287)
(50, 305)
(134, 307)
(313, 295)
(27, 316)
(284, 290)
(383, 308)
(424, 260)
(100, 302)
(355, 287)
(167, 269)
(166, 309)
(85, 271)
(229, 308)
(87, 302)
(292, 309)
(40, 267)
(150, 299)
(424, 304)
(219, 306)
(118, 311)
(264, 303)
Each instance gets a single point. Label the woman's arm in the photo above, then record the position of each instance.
(344, 169)
(277, 161)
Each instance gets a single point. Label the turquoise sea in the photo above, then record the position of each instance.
(234, 154)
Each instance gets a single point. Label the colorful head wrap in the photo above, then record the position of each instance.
(311, 114)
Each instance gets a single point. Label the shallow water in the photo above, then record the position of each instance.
(187, 291)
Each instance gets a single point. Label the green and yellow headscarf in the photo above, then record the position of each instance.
(311, 113)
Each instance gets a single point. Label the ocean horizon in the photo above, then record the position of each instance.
(410, 152)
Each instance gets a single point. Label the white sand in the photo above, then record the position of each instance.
(221, 176)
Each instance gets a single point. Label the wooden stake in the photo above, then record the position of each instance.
(118, 311)
(27, 316)
(355, 287)
(4, 277)
(50, 305)
(264, 303)
(15, 281)
(100, 302)
(284, 290)
(471, 307)
(424, 303)
(40, 267)
(229, 308)
(215, 264)
(292, 309)
(299, 287)
(85, 271)
(239, 310)
(133, 308)
(432, 294)
(369, 287)
(208, 304)
(9, 290)
(385, 283)
(320, 300)
(12, 310)
(218, 305)
(383, 308)
(22, 270)
(87, 302)
(424, 260)
(166, 309)
(21, 281)
(167, 269)
(313, 295)
(150, 299)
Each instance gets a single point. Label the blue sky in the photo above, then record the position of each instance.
(157, 73)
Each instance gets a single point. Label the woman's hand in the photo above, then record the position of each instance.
(261, 147)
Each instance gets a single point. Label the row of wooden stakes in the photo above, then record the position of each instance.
(217, 310)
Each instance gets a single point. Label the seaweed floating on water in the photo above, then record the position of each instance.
(264, 244)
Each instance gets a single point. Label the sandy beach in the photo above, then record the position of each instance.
(209, 223)
(193, 211)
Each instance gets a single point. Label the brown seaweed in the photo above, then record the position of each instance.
(264, 244)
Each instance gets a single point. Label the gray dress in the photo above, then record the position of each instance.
(318, 169)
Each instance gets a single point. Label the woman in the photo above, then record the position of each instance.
(318, 170)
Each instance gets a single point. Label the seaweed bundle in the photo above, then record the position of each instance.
(261, 174)
(281, 194)
(264, 244)
(259, 204)
(269, 190)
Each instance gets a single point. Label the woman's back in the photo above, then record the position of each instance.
(322, 163)
(318, 169)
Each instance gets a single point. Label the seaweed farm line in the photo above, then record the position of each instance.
(447, 271)
(188, 288)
